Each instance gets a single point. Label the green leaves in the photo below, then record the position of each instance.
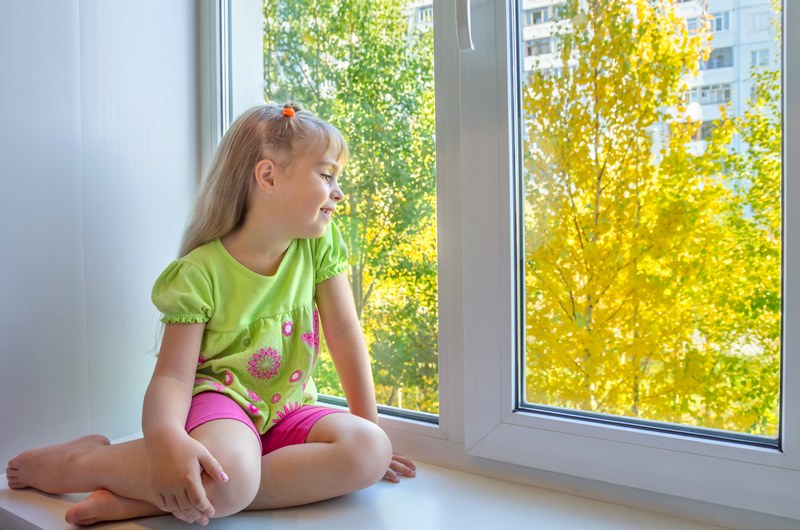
(358, 64)
(653, 273)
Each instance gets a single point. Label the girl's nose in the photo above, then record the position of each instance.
(336, 194)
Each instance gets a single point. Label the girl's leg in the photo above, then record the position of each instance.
(343, 453)
(83, 464)
(235, 447)
(91, 464)
(104, 505)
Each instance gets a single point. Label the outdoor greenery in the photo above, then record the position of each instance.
(652, 265)
(357, 64)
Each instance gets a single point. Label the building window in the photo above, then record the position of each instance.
(536, 47)
(719, 58)
(424, 14)
(721, 21)
(709, 94)
(759, 22)
(759, 58)
(540, 15)
(704, 132)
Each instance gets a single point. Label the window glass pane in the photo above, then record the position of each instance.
(652, 215)
(367, 67)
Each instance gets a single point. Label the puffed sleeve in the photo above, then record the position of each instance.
(183, 294)
(330, 254)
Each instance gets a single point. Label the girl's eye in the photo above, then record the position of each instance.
(327, 177)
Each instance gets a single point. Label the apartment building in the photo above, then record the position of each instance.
(743, 39)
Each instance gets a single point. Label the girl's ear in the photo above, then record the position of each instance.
(264, 174)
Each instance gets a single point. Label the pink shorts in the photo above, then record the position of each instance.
(291, 430)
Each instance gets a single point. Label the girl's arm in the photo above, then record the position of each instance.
(348, 350)
(176, 459)
(346, 343)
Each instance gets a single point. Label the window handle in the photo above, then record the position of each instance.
(464, 25)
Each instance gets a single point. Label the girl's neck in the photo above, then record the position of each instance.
(260, 252)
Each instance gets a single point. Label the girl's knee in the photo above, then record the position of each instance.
(369, 452)
(237, 450)
(238, 492)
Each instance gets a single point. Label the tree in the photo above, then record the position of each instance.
(358, 64)
(755, 221)
(631, 234)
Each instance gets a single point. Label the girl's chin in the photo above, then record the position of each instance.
(316, 231)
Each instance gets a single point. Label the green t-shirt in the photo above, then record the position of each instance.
(261, 339)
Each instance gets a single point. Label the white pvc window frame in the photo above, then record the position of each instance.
(754, 478)
(478, 429)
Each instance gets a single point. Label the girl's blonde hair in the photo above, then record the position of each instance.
(265, 131)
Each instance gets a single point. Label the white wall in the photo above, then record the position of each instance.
(98, 160)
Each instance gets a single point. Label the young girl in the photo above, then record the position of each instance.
(229, 419)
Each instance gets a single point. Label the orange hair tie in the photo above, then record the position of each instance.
(288, 112)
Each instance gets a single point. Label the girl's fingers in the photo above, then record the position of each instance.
(187, 508)
(403, 466)
(213, 468)
(181, 517)
(404, 470)
(171, 503)
(198, 499)
(161, 503)
(184, 505)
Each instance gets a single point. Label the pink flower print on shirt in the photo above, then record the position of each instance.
(264, 364)
(296, 375)
(287, 328)
(312, 339)
(253, 409)
(294, 406)
(276, 397)
(203, 380)
(253, 396)
(228, 378)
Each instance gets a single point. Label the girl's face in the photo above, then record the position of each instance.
(311, 191)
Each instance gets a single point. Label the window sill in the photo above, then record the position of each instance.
(437, 498)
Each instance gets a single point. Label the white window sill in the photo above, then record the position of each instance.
(438, 498)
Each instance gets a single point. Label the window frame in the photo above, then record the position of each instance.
(759, 57)
(538, 46)
(707, 470)
(719, 58)
(713, 94)
(721, 21)
(759, 21)
(478, 429)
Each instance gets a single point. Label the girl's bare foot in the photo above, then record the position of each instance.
(51, 469)
(103, 505)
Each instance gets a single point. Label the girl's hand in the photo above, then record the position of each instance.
(176, 465)
(400, 466)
